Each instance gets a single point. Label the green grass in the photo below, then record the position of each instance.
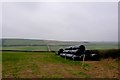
(22, 42)
(40, 48)
(19, 64)
(49, 65)
(102, 46)
(55, 45)
(43, 57)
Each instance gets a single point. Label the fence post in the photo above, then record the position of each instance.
(83, 60)
(65, 56)
(48, 48)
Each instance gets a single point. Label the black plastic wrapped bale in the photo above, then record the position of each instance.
(80, 50)
(60, 51)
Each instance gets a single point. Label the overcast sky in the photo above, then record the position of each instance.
(76, 21)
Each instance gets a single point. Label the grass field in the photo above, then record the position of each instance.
(27, 48)
(56, 47)
(49, 65)
(42, 45)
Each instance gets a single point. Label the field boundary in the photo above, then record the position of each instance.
(25, 51)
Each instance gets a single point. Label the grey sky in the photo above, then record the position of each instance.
(88, 21)
(0, 20)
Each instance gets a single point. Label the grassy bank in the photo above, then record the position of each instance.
(108, 53)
